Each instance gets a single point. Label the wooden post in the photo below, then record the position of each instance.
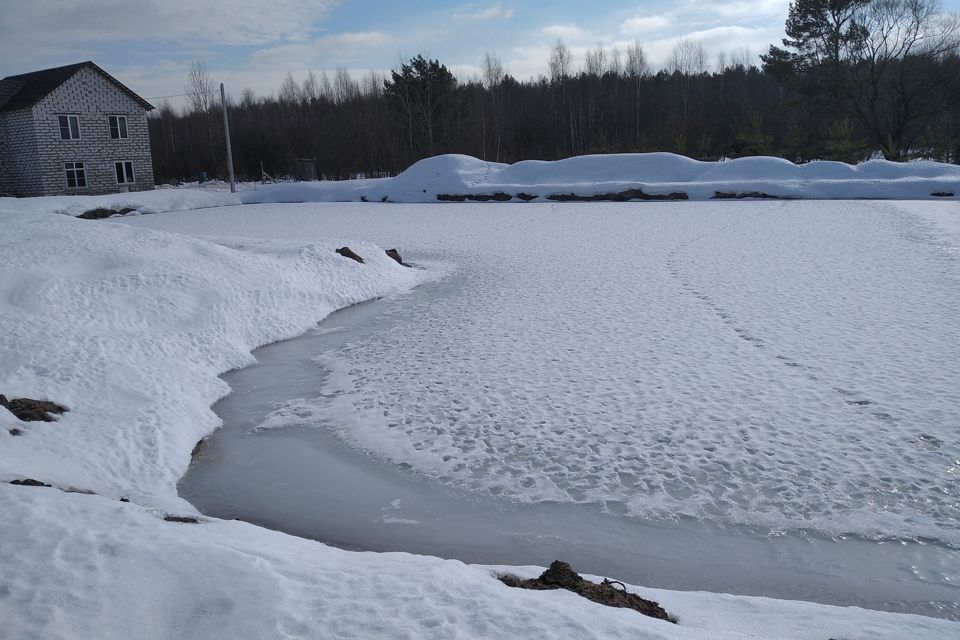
(226, 133)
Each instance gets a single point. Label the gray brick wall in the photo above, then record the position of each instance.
(19, 167)
(93, 98)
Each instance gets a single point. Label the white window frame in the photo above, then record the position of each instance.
(78, 173)
(123, 169)
(71, 117)
(125, 130)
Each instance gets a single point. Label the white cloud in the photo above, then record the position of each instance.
(739, 8)
(729, 38)
(564, 32)
(475, 12)
(341, 49)
(220, 22)
(645, 24)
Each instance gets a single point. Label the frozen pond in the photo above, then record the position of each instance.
(743, 397)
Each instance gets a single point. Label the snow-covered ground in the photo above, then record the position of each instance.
(129, 327)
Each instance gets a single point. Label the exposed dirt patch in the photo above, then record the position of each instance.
(29, 482)
(30, 410)
(754, 195)
(198, 450)
(347, 252)
(561, 575)
(102, 212)
(184, 519)
(393, 253)
(620, 196)
(499, 196)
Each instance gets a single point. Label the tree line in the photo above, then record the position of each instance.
(853, 79)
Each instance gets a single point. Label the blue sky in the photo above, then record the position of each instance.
(149, 44)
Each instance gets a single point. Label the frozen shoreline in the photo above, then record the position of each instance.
(274, 468)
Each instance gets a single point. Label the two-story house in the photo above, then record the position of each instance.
(72, 130)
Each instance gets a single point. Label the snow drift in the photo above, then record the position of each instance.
(655, 174)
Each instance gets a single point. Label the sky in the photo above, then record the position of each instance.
(149, 44)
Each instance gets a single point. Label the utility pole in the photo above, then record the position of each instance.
(226, 133)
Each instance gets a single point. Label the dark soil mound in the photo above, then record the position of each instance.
(620, 196)
(393, 253)
(753, 195)
(561, 575)
(183, 519)
(102, 212)
(198, 450)
(32, 410)
(347, 252)
(29, 482)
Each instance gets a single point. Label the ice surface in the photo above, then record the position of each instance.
(789, 365)
(271, 466)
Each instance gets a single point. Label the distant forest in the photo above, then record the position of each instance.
(854, 79)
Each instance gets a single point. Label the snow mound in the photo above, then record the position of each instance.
(657, 174)
(156, 201)
(129, 329)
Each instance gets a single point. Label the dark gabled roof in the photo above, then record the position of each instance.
(27, 89)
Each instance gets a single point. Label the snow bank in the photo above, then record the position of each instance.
(129, 328)
(156, 201)
(77, 566)
(657, 174)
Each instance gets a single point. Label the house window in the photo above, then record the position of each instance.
(118, 127)
(76, 174)
(69, 127)
(124, 172)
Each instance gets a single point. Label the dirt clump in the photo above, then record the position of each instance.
(198, 450)
(30, 410)
(184, 519)
(29, 482)
(619, 196)
(102, 212)
(347, 252)
(744, 195)
(561, 575)
(393, 253)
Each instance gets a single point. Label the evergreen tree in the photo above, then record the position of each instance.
(422, 91)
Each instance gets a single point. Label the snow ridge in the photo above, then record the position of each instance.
(653, 173)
